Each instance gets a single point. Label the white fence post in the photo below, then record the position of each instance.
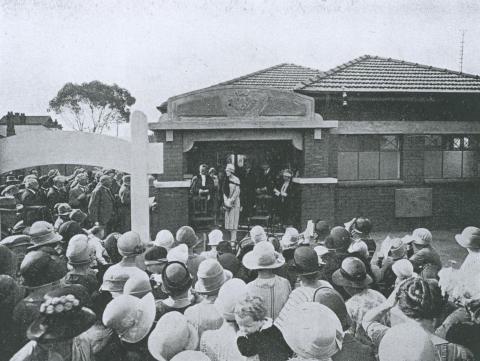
(140, 210)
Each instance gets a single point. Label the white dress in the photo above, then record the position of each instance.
(232, 214)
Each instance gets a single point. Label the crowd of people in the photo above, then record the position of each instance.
(71, 291)
(98, 198)
(241, 192)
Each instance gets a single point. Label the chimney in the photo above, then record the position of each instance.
(23, 119)
(10, 125)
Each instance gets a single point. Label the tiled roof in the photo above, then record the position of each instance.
(34, 120)
(281, 76)
(376, 74)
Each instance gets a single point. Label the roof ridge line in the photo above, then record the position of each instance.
(445, 70)
(336, 69)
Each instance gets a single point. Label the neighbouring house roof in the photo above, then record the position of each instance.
(376, 74)
(282, 76)
(21, 129)
(31, 120)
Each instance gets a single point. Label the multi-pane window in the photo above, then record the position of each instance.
(452, 156)
(368, 157)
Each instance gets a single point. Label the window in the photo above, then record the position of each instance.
(453, 156)
(368, 157)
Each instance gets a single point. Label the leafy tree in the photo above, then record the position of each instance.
(92, 107)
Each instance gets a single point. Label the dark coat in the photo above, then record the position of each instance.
(55, 196)
(102, 205)
(196, 185)
(267, 343)
(266, 180)
(76, 192)
(32, 198)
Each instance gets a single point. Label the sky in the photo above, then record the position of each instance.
(160, 48)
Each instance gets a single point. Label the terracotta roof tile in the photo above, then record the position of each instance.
(372, 73)
(282, 76)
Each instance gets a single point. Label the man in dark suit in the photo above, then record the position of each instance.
(101, 207)
(33, 200)
(248, 182)
(265, 181)
(203, 186)
(78, 195)
(285, 194)
(57, 193)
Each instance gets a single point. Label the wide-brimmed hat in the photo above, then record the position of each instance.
(333, 300)
(422, 236)
(215, 237)
(289, 238)
(62, 315)
(172, 335)
(469, 238)
(19, 240)
(287, 173)
(130, 317)
(211, 276)
(164, 239)
(79, 251)
(397, 249)
(175, 277)
(130, 244)
(78, 216)
(43, 234)
(313, 331)
(352, 273)
(64, 209)
(187, 235)
(231, 292)
(137, 285)
(263, 256)
(179, 253)
(306, 261)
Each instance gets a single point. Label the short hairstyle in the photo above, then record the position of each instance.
(252, 306)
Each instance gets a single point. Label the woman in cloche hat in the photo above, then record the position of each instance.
(231, 201)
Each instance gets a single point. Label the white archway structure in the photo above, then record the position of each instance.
(138, 157)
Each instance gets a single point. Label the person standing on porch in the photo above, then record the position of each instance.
(231, 201)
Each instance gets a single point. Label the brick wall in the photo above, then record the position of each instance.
(173, 156)
(172, 209)
(316, 155)
(317, 202)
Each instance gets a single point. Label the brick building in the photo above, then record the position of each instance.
(19, 123)
(395, 141)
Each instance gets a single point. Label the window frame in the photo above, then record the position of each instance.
(355, 146)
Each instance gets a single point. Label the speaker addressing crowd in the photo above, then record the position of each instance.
(76, 284)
